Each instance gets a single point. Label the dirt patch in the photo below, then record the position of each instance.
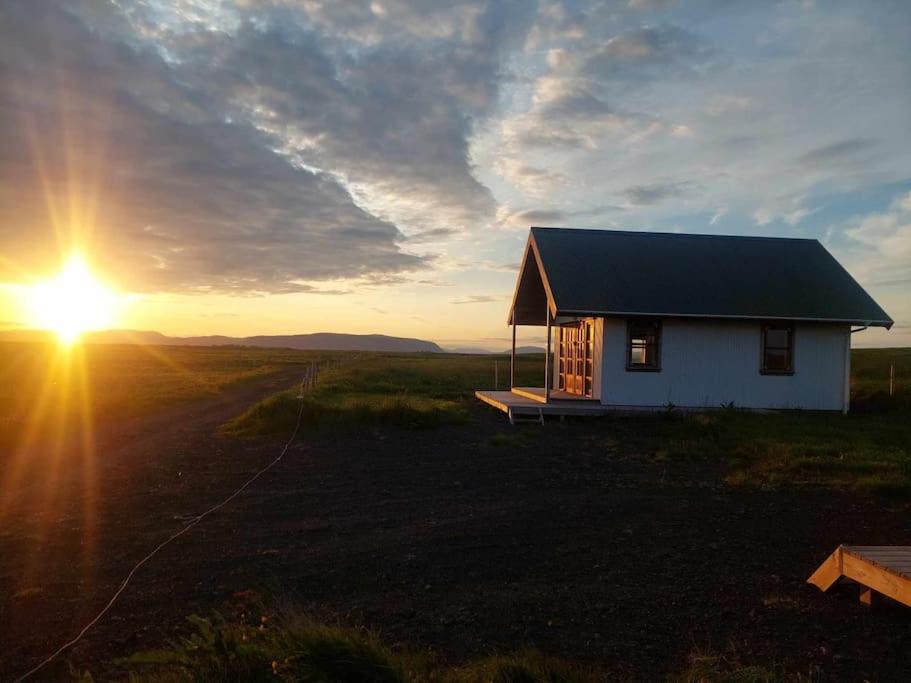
(456, 540)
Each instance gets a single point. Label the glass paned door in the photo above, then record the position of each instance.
(576, 363)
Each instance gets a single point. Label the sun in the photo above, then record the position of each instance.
(72, 303)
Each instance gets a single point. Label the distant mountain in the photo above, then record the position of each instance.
(527, 349)
(476, 351)
(473, 350)
(324, 341)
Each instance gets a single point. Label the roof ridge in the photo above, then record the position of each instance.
(668, 233)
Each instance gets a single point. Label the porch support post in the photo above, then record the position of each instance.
(547, 362)
(512, 358)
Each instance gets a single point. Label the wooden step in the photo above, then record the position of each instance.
(885, 569)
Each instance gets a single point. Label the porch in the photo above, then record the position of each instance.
(568, 382)
(529, 403)
(538, 394)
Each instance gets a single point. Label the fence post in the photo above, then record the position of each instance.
(892, 378)
(496, 374)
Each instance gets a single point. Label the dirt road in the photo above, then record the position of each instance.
(73, 525)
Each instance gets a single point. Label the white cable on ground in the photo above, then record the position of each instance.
(193, 522)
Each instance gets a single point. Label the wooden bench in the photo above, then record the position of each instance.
(885, 569)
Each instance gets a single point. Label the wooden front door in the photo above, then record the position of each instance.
(577, 358)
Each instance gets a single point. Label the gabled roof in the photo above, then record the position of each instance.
(613, 272)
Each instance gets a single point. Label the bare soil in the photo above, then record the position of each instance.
(567, 542)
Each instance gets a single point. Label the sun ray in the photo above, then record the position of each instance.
(39, 409)
(158, 353)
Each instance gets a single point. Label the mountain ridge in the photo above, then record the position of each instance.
(315, 341)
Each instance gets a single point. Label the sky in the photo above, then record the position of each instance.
(291, 166)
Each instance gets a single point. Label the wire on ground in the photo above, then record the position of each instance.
(308, 382)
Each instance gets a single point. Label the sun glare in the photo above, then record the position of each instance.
(72, 303)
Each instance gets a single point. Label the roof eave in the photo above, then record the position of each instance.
(887, 323)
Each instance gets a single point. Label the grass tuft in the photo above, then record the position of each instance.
(524, 667)
(286, 649)
(293, 648)
(711, 668)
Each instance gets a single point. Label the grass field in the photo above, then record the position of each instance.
(411, 508)
(291, 647)
(867, 449)
(410, 390)
(260, 645)
(44, 386)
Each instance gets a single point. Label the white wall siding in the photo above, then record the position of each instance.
(709, 363)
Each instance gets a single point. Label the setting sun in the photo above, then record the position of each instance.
(71, 303)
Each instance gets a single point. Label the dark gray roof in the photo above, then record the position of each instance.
(620, 272)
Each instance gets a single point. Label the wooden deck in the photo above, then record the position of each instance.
(521, 405)
(537, 394)
(885, 569)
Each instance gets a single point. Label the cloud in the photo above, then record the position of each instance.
(720, 213)
(650, 52)
(788, 208)
(114, 150)
(837, 152)
(527, 218)
(392, 119)
(566, 114)
(652, 5)
(308, 145)
(476, 299)
(432, 235)
(885, 239)
(727, 104)
(532, 179)
(876, 249)
(655, 193)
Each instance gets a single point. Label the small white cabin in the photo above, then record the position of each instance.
(640, 320)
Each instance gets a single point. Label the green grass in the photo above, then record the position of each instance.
(403, 390)
(44, 387)
(867, 450)
(286, 649)
(713, 668)
(291, 647)
(131, 379)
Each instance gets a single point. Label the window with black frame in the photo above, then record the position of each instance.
(777, 349)
(643, 348)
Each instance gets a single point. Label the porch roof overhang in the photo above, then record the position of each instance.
(532, 297)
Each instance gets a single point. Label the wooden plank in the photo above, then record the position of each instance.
(884, 550)
(877, 577)
(491, 401)
(510, 402)
(828, 573)
(531, 393)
